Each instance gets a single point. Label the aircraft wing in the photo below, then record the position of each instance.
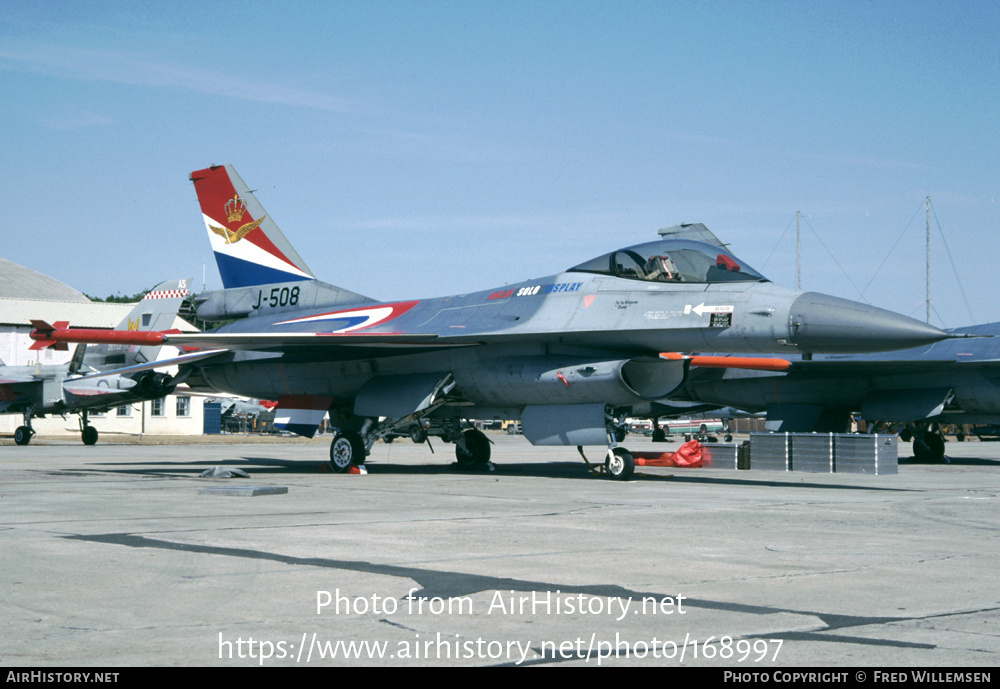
(268, 341)
(78, 390)
(162, 363)
(46, 335)
(210, 344)
(15, 380)
(217, 343)
(11, 386)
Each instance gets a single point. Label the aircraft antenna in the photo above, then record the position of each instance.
(954, 270)
(834, 258)
(798, 249)
(928, 200)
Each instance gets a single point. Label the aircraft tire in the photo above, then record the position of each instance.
(659, 436)
(929, 449)
(417, 433)
(89, 435)
(478, 449)
(346, 450)
(620, 465)
(22, 436)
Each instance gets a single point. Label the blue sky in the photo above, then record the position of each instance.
(416, 149)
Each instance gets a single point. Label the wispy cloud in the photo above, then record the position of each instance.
(855, 160)
(76, 121)
(122, 67)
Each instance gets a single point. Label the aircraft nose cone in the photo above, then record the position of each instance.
(821, 323)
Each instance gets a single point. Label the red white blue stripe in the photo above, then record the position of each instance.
(301, 414)
(356, 319)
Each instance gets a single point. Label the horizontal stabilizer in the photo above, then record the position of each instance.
(301, 414)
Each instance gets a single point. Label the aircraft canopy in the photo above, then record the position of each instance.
(672, 260)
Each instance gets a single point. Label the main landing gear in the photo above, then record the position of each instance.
(350, 447)
(24, 434)
(87, 432)
(472, 449)
(347, 450)
(356, 436)
(928, 441)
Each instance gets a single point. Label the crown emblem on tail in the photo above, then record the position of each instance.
(235, 208)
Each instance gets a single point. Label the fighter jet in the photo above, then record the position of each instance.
(567, 354)
(78, 387)
(956, 381)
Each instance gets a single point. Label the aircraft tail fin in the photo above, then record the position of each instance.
(155, 312)
(249, 248)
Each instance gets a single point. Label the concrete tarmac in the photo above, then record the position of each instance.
(114, 555)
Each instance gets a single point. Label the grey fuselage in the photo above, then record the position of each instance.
(584, 336)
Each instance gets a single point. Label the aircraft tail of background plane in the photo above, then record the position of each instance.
(249, 248)
(156, 311)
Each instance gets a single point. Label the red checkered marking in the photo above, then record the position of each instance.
(166, 294)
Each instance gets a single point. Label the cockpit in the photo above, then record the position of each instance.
(672, 260)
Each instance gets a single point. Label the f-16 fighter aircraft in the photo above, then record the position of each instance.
(567, 354)
(78, 387)
(955, 381)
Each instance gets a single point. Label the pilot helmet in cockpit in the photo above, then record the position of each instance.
(661, 268)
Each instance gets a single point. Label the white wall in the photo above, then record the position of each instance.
(14, 349)
(139, 421)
